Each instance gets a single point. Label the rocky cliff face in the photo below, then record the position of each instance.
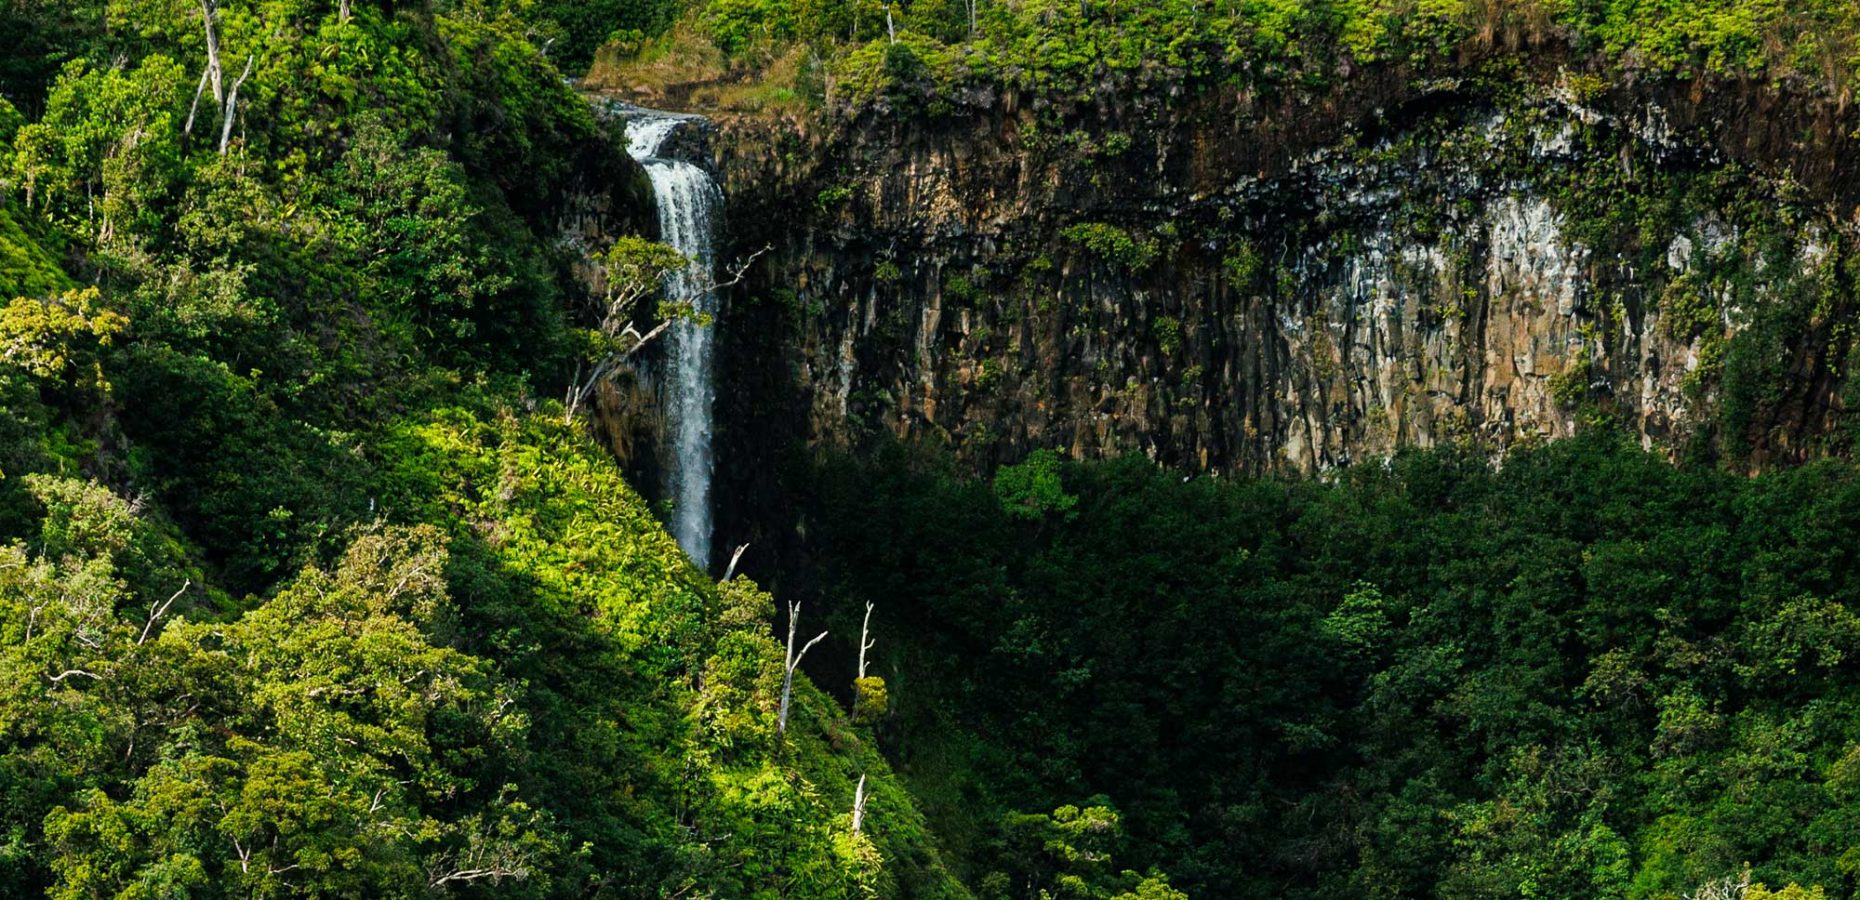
(1236, 281)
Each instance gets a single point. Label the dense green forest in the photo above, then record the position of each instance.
(312, 584)
(1588, 673)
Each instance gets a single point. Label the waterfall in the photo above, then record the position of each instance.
(688, 201)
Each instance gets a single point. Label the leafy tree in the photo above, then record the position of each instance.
(1032, 489)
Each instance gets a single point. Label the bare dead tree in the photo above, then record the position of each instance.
(864, 645)
(156, 611)
(793, 662)
(858, 814)
(232, 104)
(890, 27)
(495, 873)
(1730, 887)
(342, 12)
(211, 74)
(209, 12)
(736, 557)
(484, 857)
(194, 108)
(626, 337)
(214, 76)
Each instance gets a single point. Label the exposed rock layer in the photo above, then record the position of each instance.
(1232, 281)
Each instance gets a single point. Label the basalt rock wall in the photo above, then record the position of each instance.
(1230, 280)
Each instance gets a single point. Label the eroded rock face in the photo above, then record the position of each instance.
(1242, 284)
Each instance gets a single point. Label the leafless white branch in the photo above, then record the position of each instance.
(736, 557)
(161, 609)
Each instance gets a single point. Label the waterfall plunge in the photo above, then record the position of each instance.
(688, 200)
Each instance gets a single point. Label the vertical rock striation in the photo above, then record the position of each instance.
(1242, 283)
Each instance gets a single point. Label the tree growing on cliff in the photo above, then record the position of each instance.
(629, 273)
(632, 272)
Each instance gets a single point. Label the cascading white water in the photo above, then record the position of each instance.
(688, 200)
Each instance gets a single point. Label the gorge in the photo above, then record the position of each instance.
(1165, 449)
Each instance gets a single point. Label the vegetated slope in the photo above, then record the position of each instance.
(531, 689)
(304, 591)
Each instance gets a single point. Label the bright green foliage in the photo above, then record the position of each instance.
(632, 271)
(1359, 623)
(1069, 855)
(1113, 245)
(107, 154)
(1067, 48)
(58, 338)
(458, 654)
(26, 268)
(337, 749)
(870, 699)
(1033, 489)
(634, 264)
(379, 210)
(907, 72)
(1792, 892)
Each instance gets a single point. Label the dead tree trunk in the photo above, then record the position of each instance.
(156, 611)
(209, 10)
(864, 645)
(232, 104)
(211, 74)
(193, 109)
(858, 818)
(793, 662)
(869, 697)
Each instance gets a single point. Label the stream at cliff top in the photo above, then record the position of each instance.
(688, 201)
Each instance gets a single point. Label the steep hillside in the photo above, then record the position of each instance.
(309, 583)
